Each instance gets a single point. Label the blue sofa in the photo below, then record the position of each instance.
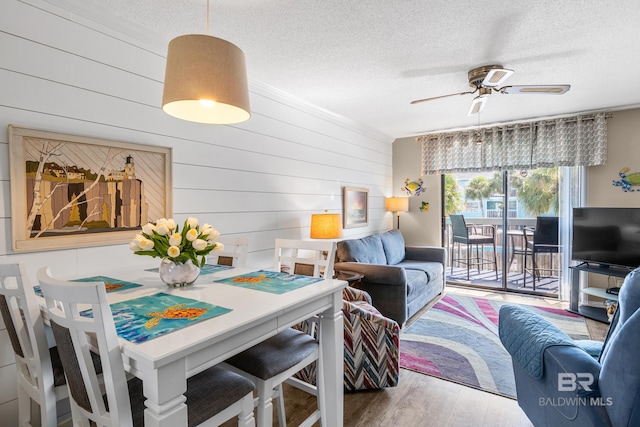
(561, 382)
(400, 279)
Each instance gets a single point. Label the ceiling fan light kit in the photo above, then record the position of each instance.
(536, 89)
(477, 105)
(486, 80)
(496, 76)
(488, 75)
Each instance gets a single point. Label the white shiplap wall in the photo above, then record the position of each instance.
(63, 70)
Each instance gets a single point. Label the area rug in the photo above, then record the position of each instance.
(457, 340)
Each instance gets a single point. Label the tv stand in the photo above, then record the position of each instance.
(595, 313)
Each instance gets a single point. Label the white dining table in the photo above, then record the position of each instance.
(164, 363)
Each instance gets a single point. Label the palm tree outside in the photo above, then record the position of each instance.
(538, 191)
(453, 199)
(479, 188)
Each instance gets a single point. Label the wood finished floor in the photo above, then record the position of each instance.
(421, 400)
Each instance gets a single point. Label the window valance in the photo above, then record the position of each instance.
(569, 141)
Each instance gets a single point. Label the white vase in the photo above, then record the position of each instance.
(177, 274)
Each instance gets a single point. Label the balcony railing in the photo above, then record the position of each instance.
(514, 241)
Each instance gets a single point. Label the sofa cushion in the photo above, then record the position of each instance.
(416, 282)
(432, 269)
(367, 249)
(393, 244)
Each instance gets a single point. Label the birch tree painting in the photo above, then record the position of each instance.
(73, 188)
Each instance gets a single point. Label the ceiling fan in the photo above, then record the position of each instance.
(487, 78)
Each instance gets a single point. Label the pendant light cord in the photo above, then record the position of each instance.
(208, 18)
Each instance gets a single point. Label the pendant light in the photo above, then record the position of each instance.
(205, 80)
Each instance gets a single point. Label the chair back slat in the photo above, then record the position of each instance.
(77, 337)
(304, 269)
(71, 365)
(11, 326)
(225, 260)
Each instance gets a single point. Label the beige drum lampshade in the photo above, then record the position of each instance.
(397, 204)
(206, 81)
(326, 226)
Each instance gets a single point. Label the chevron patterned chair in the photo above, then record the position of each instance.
(371, 347)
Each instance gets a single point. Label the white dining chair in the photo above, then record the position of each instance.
(270, 363)
(213, 396)
(307, 257)
(39, 374)
(234, 253)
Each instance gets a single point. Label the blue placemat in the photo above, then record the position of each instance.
(270, 281)
(111, 284)
(141, 319)
(206, 269)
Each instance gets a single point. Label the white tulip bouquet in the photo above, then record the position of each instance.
(165, 240)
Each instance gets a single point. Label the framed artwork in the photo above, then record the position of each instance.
(70, 191)
(355, 206)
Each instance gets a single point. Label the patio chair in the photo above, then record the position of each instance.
(467, 234)
(544, 241)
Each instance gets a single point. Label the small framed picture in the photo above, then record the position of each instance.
(355, 207)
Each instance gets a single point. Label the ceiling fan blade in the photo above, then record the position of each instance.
(477, 104)
(418, 101)
(496, 76)
(535, 89)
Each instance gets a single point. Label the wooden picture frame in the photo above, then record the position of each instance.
(355, 207)
(70, 191)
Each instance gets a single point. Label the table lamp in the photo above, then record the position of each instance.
(397, 205)
(325, 226)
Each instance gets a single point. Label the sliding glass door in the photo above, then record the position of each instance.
(526, 213)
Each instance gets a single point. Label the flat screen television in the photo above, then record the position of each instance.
(606, 237)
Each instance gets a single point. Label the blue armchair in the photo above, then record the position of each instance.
(562, 382)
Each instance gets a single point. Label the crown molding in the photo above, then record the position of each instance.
(278, 95)
(100, 19)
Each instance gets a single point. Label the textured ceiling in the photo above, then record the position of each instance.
(366, 60)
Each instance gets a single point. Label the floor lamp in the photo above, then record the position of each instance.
(397, 205)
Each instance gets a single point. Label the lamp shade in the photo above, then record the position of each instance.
(326, 226)
(205, 80)
(397, 204)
